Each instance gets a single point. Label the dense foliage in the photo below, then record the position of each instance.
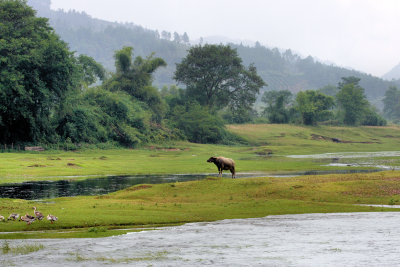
(345, 104)
(278, 106)
(314, 106)
(215, 77)
(37, 71)
(391, 102)
(47, 93)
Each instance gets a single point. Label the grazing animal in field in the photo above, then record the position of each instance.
(13, 216)
(223, 164)
(27, 218)
(38, 214)
(52, 218)
(2, 218)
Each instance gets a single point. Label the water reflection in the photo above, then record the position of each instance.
(87, 187)
(104, 185)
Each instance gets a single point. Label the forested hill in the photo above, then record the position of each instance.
(280, 70)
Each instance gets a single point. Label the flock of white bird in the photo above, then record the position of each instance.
(28, 218)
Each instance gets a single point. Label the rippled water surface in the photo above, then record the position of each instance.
(345, 155)
(342, 239)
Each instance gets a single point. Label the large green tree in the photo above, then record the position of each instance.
(36, 72)
(351, 101)
(391, 103)
(134, 76)
(277, 110)
(314, 106)
(215, 77)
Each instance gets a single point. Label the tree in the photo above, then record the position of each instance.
(90, 70)
(185, 38)
(166, 35)
(329, 90)
(391, 103)
(215, 77)
(351, 100)
(135, 78)
(198, 125)
(277, 110)
(177, 37)
(314, 106)
(36, 72)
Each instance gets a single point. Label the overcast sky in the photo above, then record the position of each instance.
(361, 34)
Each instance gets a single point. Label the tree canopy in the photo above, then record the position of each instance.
(392, 104)
(314, 106)
(351, 100)
(36, 72)
(215, 77)
(134, 76)
(277, 110)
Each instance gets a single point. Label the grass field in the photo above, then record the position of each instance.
(205, 200)
(267, 150)
(209, 199)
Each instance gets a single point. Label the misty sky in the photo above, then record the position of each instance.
(361, 34)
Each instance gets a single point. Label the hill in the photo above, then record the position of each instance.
(393, 74)
(280, 69)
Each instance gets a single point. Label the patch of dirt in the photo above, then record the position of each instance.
(69, 164)
(337, 140)
(389, 190)
(281, 135)
(103, 158)
(264, 153)
(50, 158)
(168, 149)
(140, 187)
(37, 166)
(326, 138)
(34, 148)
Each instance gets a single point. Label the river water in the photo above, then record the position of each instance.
(341, 239)
(35, 190)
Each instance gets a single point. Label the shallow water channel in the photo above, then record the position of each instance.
(36, 190)
(341, 239)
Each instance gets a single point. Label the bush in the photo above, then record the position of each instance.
(199, 126)
(372, 118)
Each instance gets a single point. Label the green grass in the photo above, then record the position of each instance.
(21, 249)
(269, 146)
(209, 199)
(206, 200)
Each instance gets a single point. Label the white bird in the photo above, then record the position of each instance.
(13, 216)
(38, 214)
(27, 218)
(52, 218)
(2, 218)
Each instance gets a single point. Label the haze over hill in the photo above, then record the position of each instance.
(393, 74)
(279, 69)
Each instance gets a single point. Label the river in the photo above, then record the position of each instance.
(340, 239)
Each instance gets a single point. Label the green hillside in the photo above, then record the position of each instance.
(279, 69)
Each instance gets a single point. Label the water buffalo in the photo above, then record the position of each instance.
(223, 164)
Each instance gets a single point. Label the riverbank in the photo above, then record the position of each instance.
(199, 201)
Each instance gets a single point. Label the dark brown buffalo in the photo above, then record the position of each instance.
(223, 164)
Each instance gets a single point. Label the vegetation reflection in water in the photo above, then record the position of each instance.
(104, 185)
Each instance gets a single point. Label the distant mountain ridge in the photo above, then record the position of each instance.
(280, 70)
(393, 74)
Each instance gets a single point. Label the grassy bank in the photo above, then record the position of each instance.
(206, 200)
(267, 150)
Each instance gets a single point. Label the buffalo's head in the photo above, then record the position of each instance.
(212, 159)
